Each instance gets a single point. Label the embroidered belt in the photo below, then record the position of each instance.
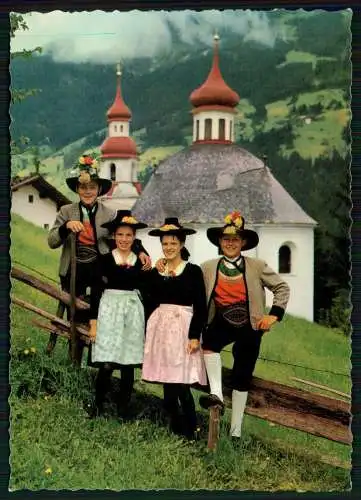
(86, 254)
(235, 314)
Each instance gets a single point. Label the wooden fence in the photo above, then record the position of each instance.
(288, 406)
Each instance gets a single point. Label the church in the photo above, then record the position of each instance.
(206, 181)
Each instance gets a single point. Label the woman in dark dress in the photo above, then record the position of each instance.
(117, 322)
(172, 348)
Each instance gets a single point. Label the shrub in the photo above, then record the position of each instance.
(339, 314)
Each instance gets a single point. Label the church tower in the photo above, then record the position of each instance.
(119, 159)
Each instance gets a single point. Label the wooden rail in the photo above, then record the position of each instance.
(46, 288)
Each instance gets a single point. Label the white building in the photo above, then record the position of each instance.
(119, 159)
(213, 177)
(35, 200)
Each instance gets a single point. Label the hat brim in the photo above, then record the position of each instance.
(104, 184)
(251, 237)
(112, 226)
(172, 232)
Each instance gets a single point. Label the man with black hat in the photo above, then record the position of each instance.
(85, 219)
(236, 303)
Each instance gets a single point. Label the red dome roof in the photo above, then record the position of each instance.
(214, 90)
(118, 147)
(119, 110)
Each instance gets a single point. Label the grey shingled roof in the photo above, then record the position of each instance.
(204, 182)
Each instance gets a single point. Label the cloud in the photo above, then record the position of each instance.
(105, 37)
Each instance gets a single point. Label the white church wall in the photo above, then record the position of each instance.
(123, 169)
(41, 211)
(300, 239)
(119, 203)
(118, 128)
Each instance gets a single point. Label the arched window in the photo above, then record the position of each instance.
(197, 130)
(112, 171)
(222, 129)
(115, 128)
(284, 259)
(208, 129)
(121, 128)
(230, 130)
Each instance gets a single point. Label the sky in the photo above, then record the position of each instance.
(104, 37)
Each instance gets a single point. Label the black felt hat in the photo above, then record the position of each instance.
(123, 218)
(234, 226)
(85, 171)
(171, 226)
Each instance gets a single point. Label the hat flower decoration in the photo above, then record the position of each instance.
(129, 220)
(85, 170)
(234, 221)
(86, 166)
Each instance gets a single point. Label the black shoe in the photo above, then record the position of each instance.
(176, 426)
(192, 436)
(124, 409)
(236, 442)
(93, 411)
(211, 400)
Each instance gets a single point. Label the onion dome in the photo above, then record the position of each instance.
(118, 147)
(118, 110)
(214, 90)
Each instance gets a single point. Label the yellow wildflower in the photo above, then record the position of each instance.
(26, 351)
(32, 349)
(48, 470)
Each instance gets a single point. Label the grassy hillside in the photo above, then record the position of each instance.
(54, 446)
(55, 169)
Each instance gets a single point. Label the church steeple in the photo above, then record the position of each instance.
(214, 102)
(118, 144)
(119, 159)
(119, 110)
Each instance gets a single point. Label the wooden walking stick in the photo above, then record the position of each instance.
(213, 430)
(53, 336)
(73, 333)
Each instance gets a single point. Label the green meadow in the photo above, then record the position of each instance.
(54, 445)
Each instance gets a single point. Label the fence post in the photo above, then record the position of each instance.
(73, 335)
(213, 431)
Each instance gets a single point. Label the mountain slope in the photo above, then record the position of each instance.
(74, 97)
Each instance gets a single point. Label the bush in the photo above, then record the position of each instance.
(339, 315)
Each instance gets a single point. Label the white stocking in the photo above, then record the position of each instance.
(239, 400)
(213, 364)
